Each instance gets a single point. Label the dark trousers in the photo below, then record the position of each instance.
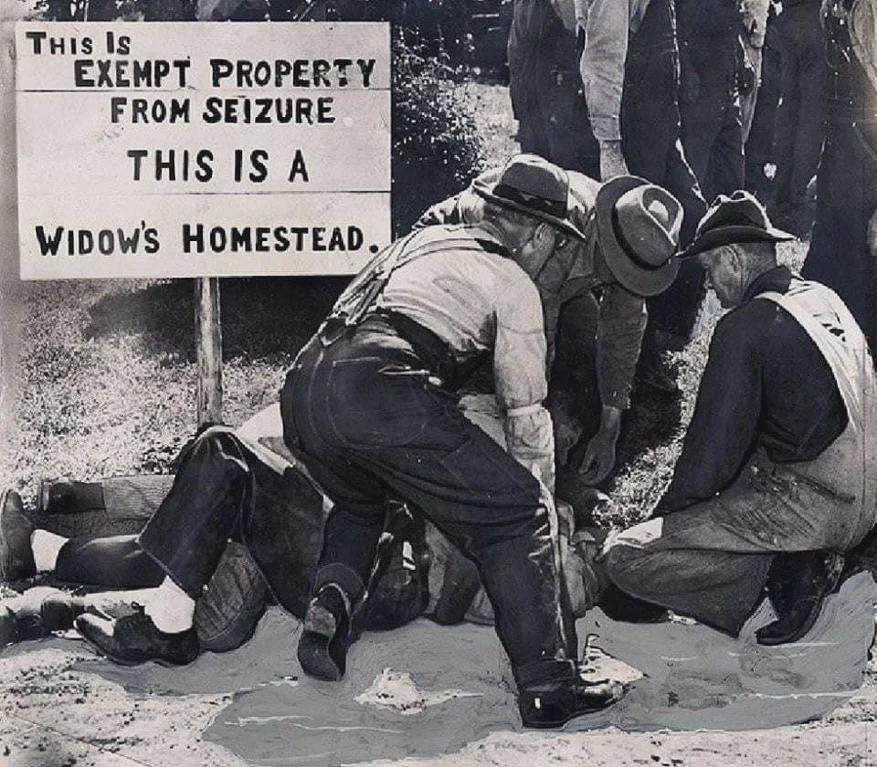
(546, 89)
(226, 488)
(846, 199)
(801, 114)
(370, 427)
(115, 561)
(653, 148)
(759, 151)
(712, 133)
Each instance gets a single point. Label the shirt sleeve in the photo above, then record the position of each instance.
(723, 428)
(622, 324)
(444, 212)
(520, 375)
(607, 29)
(863, 33)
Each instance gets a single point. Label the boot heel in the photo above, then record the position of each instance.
(322, 648)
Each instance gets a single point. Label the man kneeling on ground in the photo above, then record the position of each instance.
(777, 479)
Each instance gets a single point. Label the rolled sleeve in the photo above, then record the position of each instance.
(622, 324)
(607, 29)
(520, 374)
(444, 212)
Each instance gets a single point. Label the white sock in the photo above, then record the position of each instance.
(45, 547)
(172, 610)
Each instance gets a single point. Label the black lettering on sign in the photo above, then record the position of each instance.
(298, 168)
(108, 242)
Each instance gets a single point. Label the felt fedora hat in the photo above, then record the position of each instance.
(532, 185)
(738, 218)
(638, 225)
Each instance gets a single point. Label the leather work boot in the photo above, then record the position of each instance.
(322, 648)
(134, 639)
(797, 585)
(16, 555)
(556, 701)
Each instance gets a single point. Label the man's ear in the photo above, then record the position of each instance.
(545, 235)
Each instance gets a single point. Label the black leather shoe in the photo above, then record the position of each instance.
(322, 648)
(16, 555)
(557, 706)
(797, 585)
(134, 639)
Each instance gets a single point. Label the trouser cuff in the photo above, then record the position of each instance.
(545, 674)
(348, 579)
(188, 580)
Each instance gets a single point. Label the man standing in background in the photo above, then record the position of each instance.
(754, 30)
(545, 88)
(846, 193)
(712, 129)
(800, 125)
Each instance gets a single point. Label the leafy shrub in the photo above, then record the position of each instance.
(437, 148)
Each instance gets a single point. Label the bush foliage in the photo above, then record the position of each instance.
(437, 148)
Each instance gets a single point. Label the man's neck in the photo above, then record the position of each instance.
(759, 282)
(498, 233)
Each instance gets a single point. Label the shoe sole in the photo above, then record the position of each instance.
(804, 628)
(314, 646)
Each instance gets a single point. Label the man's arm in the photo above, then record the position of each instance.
(519, 373)
(462, 208)
(622, 324)
(863, 32)
(607, 29)
(724, 426)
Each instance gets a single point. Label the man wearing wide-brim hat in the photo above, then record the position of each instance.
(777, 480)
(370, 410)
(593, 293)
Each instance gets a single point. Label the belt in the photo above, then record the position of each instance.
(436, 354)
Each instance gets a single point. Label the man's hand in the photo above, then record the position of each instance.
(747, 79)
(599, 457)
(612, 162)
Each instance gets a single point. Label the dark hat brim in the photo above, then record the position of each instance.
(637, 279)
(561, 223)
(730, 235)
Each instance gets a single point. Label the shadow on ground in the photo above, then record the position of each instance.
(261, 317)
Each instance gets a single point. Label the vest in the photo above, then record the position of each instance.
(846, 469)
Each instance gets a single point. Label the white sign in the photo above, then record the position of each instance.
(216, 149)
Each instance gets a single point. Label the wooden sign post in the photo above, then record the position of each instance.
(208, 342)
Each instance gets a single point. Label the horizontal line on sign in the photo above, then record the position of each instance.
(211, 91)
(117, 195)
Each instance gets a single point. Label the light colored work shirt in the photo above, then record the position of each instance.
(608, 26)
(863, 34)
(482, 301)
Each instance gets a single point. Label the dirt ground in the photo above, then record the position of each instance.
(61, 706)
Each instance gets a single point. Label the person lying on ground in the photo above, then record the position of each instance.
(368, 409)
